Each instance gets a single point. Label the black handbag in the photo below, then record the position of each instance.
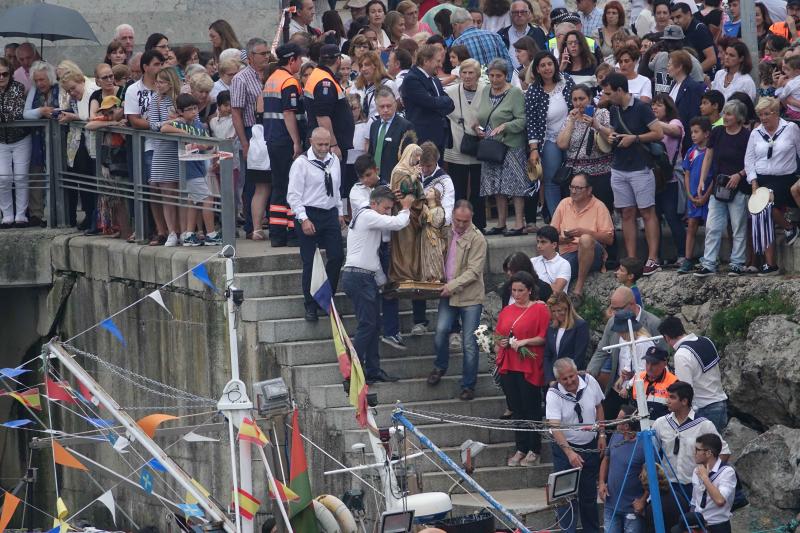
(564, 173)
(721, 191)
(491, 150)
(469, 143)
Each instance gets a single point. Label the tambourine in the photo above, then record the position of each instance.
(759, 200)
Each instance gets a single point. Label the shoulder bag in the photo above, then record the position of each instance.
(655, 155)
(469, 143)
(564, 173)
(721, 191)
(492, 150)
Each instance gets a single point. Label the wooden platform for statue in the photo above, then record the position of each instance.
(416, 290)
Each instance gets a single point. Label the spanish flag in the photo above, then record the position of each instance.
(248, 504)
(29, 398)
(350, 367)
(191, 500)
(286, 494)
(250, 432)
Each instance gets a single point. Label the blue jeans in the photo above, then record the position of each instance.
(470, 318)
(362, 290)
(718, 215)
(585, 506)
(717, 413)
(620, 522)
(390, 307)
(552, 157)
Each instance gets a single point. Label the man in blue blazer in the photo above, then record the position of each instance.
(388, 128)
(426, 103)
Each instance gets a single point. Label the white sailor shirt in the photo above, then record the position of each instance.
(561, 407)
(307, 185)
(677, 444)
(722, 476)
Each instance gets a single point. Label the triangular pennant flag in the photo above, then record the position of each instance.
(54, 530)
(249, 431)
(107, 499)
(286, 494)
(61, 516)
(191, 510)
(320, 288)
(10, 503)
(86, 395)
(194, 437)
(58, 391)
(156, 297)
(108, 325)
(301, 512)
(16, 423)
(156, 465)
(146, 481)
(201, 273)
(120, 443)
(64, 458)
(350, 367)
(248, 504)
(29, 398)
(190, 499)
(151, 422)
(12, 372)
(100, 422)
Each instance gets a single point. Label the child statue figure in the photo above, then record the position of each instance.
(433, 242)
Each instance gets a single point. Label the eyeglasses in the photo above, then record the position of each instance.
(110, 77)
(5, 74)
(263, 54)
(577, 188)
(523, 12)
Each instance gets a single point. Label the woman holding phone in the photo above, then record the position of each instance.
(582, 151)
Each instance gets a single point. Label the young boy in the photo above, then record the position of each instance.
(188, 123)
(548, 265)
(222, 128)
(711, 104)
(789, 94)
(629, 271)
(367, 173)
(713, 486)
(696, 204)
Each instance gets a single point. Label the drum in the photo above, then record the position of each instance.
(763, 229)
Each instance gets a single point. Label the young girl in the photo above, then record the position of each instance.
(790, 93)
(164, 170)
(360, 143)
(765, 84)
(221, 127)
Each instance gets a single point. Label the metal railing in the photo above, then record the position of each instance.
(58, 177)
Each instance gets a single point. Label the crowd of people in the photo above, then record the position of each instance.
(566, 126)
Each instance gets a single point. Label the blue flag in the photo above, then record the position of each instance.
(191, 509)
(112, 328)
(156, 465)
(16, 423)
(13, 372)
(146, 481)
(100, 422)
(201, 273)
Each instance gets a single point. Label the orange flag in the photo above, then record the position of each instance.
(64, 458)
(151, 422)
(250, 432)
(10, 503)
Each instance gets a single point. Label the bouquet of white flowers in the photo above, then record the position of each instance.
(487, 339)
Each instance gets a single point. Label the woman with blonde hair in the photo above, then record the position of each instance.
(395, 25)
(410, 12)
(567, 335)
(164, 170)
(371, 75)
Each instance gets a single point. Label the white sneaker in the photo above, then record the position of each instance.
(419, 329)
(172, 240)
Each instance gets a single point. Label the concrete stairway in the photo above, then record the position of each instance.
(304, 356)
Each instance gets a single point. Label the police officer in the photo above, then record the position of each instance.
(283, 106)
(326, 101)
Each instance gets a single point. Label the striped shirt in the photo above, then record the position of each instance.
(246, 88)
(484, 46)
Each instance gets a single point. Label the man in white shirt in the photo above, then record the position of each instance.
(549, 265)
(713, 487)
(362, 274)
(576, 400)
(676, 434)
(313, 195)
(697, 363)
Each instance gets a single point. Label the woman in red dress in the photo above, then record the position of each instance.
(523, 324)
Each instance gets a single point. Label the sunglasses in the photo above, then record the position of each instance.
(5, 74)
(107, 78)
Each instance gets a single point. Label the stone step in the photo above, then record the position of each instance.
(291, 306)
(278, 283)
(492, 478)
(343, 418)
(285, 259)
(444, 435)
(326, 396)
(402, 367)
(298, 329)
(321, 351)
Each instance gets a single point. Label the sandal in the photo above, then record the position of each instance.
(131, 239)
(158, 240)
(495, 231)
(258, 235)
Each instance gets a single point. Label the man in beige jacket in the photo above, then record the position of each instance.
(462, 296)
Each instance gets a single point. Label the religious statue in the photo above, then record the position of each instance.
(407, 179)
(433, 242)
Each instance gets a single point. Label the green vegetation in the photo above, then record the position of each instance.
(593, 312)
(732, 323)
(660, 313)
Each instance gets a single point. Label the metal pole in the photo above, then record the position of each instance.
(181, 477)
(61, 207)
(747, 14)
(398, 417)
(274, 488)
(227, 193)
(50, 184)
(638, 383)
(138, 185)
(646, 438)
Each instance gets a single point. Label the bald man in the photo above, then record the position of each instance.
(26, 55)
(604, 365)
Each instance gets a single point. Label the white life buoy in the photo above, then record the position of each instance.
(325, 520)
(347, 524)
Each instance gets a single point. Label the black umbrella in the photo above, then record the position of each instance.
(45, 21)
